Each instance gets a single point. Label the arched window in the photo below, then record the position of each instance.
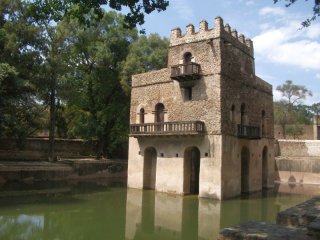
(141, 116)
(159, 113)
(187, 63)
(232, 113)
(187, 57)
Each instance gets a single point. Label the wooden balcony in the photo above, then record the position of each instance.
(248, 132)
(185, 72)
(167, 129)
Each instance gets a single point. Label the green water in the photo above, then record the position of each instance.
(93, 211)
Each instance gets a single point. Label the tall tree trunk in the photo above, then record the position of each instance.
(51, 155)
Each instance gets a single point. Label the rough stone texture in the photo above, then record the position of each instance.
(308, 132)
(260, 230)
(304, 215)
(36, 149)
(300, 215)
(227, 81)
(297, 161)
(29, 171)
(316, 127)
(299, 148)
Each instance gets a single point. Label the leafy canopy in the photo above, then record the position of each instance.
(58, 9)
(315, 9)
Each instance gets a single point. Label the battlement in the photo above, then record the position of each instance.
(218, 31)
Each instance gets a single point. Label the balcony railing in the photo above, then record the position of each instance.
(185, 72)
(249, 132)
(167, 128)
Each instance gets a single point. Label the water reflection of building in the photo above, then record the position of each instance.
(152, 215)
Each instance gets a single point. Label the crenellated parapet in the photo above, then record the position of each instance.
(205, 33)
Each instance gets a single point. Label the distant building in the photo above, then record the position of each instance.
(316, 127)
(204, 124)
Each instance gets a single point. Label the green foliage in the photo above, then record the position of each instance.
(70, 77)
(315, 10)
(98, 105)
(294, 130)
(21, 114)
(315, 108)
(287, 111)
(303, 114)
(293, 93)
(18, 110)
(145, 54)
(59, 9)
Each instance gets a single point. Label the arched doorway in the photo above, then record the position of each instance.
(245, 164)
(265, 167)
(191, 170)
(150, 168)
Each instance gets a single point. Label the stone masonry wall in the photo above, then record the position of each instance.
(299, 148)
(37, 149)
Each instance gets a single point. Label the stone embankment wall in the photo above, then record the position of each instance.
(37, 149)
(307, 132)
(299, 222)
(298, 161)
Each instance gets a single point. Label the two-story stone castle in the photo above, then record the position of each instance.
(204, 124)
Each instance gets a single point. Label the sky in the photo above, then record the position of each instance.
(283, 51)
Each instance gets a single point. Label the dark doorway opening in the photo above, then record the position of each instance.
(159, 113)
(265, 167)
(245, 160)
(191, 170)
(150, 168)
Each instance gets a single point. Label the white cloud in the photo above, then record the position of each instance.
(290, 46)
(277, 96)
(184, 10)
(272, 11)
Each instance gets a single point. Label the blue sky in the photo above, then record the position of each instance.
(282, 51)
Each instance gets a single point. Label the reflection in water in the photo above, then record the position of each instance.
(162, 216)
(117, 213)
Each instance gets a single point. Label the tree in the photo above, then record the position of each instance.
(20, 40)
(315, 9)
(59, 9)
(292, 93)
(146, 54)
(284, 111)
(315, 108)
(97, 102)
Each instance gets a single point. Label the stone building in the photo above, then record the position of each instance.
(316, 127)
(204, 124)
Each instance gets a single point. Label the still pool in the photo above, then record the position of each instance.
(110, 211)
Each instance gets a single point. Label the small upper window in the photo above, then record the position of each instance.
(232, 113)
(187, 57)
(141, 115)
